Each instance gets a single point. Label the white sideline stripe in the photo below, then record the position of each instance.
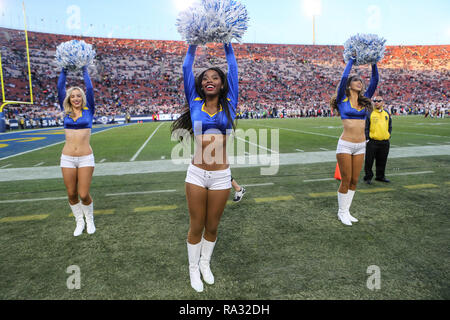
(141, 192)
(159, 166)
(257, 145)
(50, 145)
(259, 185)
(32, 200)
(294, 130)
(145, 143)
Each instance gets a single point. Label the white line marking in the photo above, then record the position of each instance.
(259, 185)
(143, 192)
(410, 173)
(299, 150)
(314, 180)
(39, 164)
(6, 166)
(101, 161)
(32, 200)
(323, 149)
(257, 145)
(145, 143)
(306, 132)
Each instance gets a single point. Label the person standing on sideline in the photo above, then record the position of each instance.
(212, 102)
(352, 102)
(77, 159)
(378, 133)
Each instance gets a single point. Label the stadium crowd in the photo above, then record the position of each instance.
(144, 77)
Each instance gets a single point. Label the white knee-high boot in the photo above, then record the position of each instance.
(342, 213)
(78, 214)
(89, 215)
(194, 251)
(205, 260)
(348, 201)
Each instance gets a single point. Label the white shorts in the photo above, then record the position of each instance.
(211, 180)
(351, 148)
(77, 162)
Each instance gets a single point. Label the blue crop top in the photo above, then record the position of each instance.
(202, 121)
(346, 109)
(87, 114)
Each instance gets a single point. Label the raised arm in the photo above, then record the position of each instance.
(367, 128)
(89, 90)
(343, 83)
(233, 79)
(373, 82)
(62, 88)
(188, 74)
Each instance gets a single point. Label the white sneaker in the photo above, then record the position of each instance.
(342, 215)
(238, 195)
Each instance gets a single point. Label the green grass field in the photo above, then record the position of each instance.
(283, 241)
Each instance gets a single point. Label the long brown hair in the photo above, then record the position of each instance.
(362, 99)
(184, 121)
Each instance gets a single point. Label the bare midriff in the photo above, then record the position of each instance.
(211, 152)
(354, 130)
(77, 143)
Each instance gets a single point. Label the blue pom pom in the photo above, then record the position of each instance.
(365, 49)
(74, 54)
(213, 21)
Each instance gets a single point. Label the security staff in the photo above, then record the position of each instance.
(378, 133)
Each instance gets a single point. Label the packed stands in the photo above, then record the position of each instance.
(143, 77)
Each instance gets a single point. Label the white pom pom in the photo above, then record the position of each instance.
(213, 21)
(365, 49)
(74, 54)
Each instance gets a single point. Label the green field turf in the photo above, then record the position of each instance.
(282, 241)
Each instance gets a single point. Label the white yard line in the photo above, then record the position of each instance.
(301, 131)
(32, 200)
(257, 145)
(141, 192)
(259, 184)
(145, 143)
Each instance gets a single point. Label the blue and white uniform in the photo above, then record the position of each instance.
(84, 122)
(87, 114)
(348, 111)
(202, 121)
(205, 123)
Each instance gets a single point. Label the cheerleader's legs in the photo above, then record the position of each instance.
(350, 167)
(77, 182)
(205, 210)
